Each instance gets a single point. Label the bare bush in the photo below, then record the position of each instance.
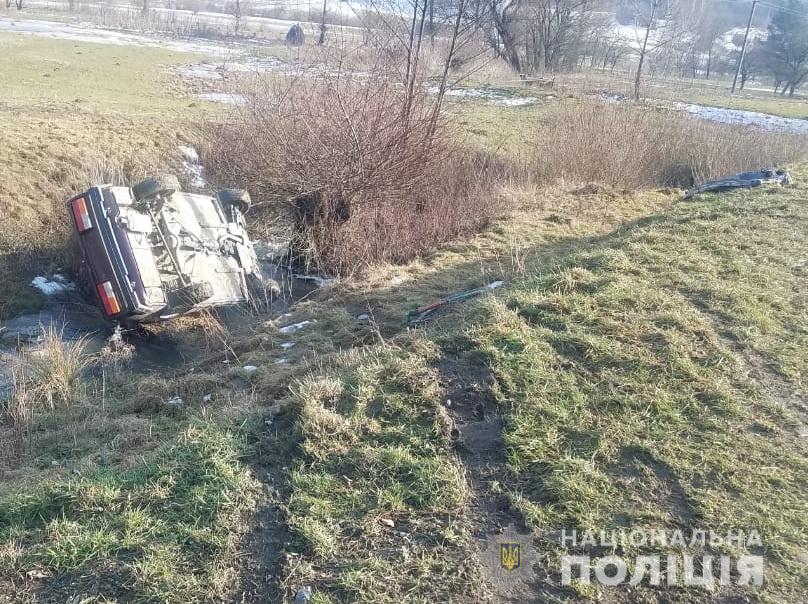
(366, 169)
(635, 146)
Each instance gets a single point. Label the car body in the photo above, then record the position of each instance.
(153, 252)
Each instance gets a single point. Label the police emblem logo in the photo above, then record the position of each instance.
(508, 560)
(510, 555)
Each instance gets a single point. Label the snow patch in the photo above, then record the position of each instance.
(319, 281)
(764, 121)
(494, 97)
(192, 166)
(200, 71)
(294, 327)
(57, 285)
(224, 97)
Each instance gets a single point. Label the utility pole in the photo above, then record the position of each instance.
(743, 48)
(323, 26)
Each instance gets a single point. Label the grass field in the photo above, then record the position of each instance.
(715, 93)
(653, 379)
(652, 376)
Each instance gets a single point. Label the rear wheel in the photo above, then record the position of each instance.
(152, 187)
(236, 198)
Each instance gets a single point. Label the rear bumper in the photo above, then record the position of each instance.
(108, 256)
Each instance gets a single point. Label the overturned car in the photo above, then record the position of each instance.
(152, 252)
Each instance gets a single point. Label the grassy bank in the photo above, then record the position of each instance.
(643, 367)
(654, 379)
(651, 376)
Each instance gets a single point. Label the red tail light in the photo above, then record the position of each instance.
(81, 215)
(108, 298)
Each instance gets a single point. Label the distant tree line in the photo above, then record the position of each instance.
(684, 38)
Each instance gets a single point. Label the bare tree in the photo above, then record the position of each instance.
(504, 17)
(668, 22)
(556, 25)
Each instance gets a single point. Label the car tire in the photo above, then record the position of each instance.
(237, 198)
(186, 297)
(152, 187)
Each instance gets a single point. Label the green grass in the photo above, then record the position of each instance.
(162, 531)
(132, 80)
(629, 401)
(653, 379)
(377, 460)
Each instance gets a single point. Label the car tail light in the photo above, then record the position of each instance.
(108, 298)
(81, 215)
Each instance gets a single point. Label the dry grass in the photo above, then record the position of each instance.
(633, 146)
(42, 380)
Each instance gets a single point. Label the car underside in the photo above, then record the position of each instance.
(153, 252)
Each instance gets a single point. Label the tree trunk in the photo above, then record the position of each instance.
(432, 22)
(638, 77)
(509, 53)
(237, 15)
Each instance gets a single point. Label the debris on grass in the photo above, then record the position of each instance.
(423, 312)
(744, 180)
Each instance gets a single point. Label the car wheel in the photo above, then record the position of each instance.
(237, 198)
(186, 297)
(151, 187)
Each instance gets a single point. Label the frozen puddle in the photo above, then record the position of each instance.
(764, 121)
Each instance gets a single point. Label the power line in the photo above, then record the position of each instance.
(783, 8)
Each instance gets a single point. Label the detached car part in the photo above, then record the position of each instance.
(744, 180)
(153, 252)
